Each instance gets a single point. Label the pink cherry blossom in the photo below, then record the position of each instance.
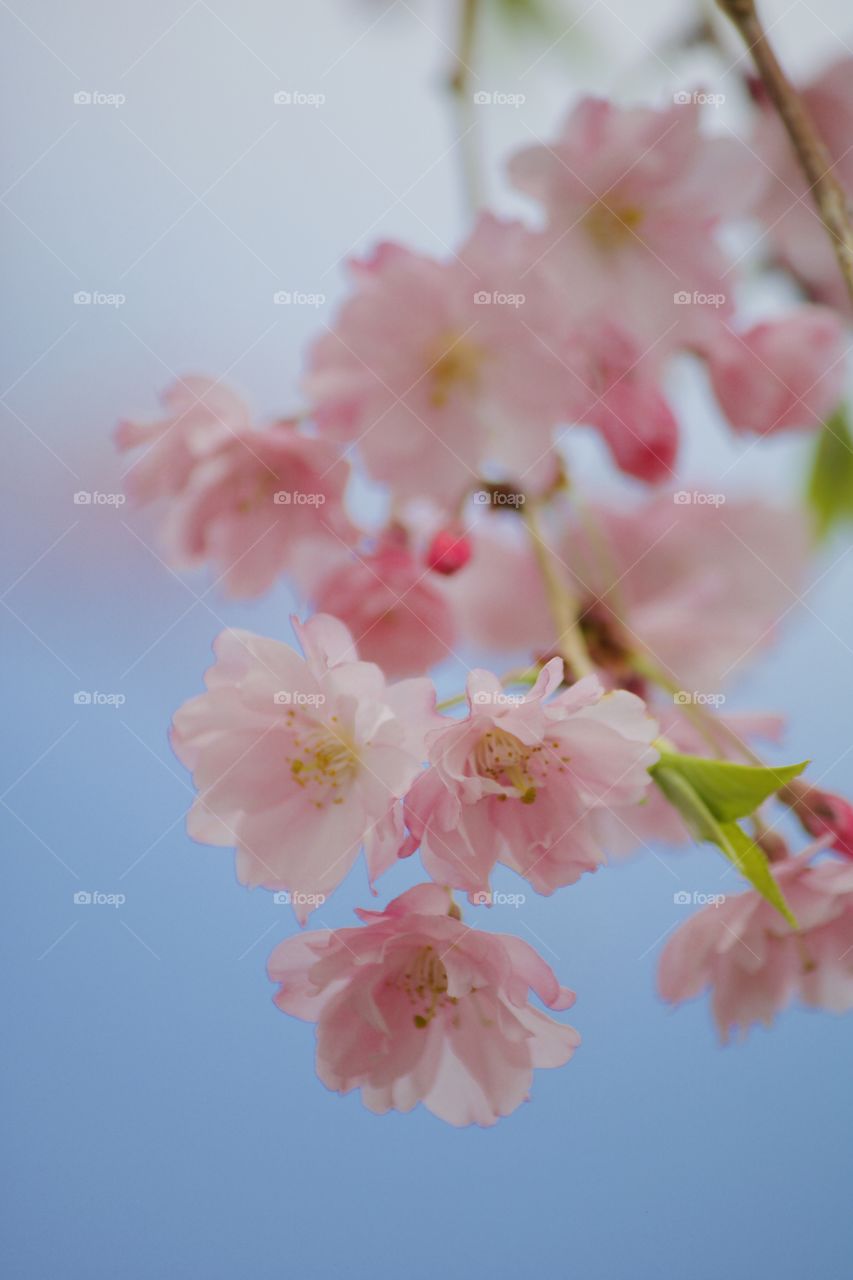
(634, 198)
(200, 414)
(393, 605)
(617, 389)
(526, 781)
(431, 371)
(782, 373)
(240, 498)
(299, 762)
(449, 551)
(754, 961)
(692, 581)
(792, 223)
(415, 1006)
(822, 813)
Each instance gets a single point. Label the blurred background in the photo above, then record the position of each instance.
(161, 1118)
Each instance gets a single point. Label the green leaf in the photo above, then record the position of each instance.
(749, 858)
(729, 790)
(830, 485)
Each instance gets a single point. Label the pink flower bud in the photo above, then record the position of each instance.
(448, 552)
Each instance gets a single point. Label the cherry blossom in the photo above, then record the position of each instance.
(792, 224)
(299, 762)
(634, 198)
(241, 498)
(416, 1006)
(756, 963)
(782, 373)
(526, 781)
(430, 368)
(394, 606)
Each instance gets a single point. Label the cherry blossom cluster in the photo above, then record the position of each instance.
(456, 387)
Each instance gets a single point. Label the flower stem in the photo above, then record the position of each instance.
(815, 161)
(564, 608)
(459, 83)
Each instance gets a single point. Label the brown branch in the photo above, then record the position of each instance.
(815, 161)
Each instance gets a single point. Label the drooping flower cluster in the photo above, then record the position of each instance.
(452, 382)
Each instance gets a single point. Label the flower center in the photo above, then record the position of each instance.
(502, 756)
(323, 760)
(609, 226)
(452, 363)
(424, 983)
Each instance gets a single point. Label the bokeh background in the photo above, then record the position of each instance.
(160, 1117)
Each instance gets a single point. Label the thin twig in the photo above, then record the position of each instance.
(814, 158)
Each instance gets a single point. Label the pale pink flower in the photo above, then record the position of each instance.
(200, 414)
(634, 198)
(239, 498)
(392, 603)
(527, 782)
(430, 370)
(249, 503)
(782, 373)
(299, 762)
(822, 813)
(693, 582)
(416, 1006)
(754, 961)
(616, 388)
(793, 224)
